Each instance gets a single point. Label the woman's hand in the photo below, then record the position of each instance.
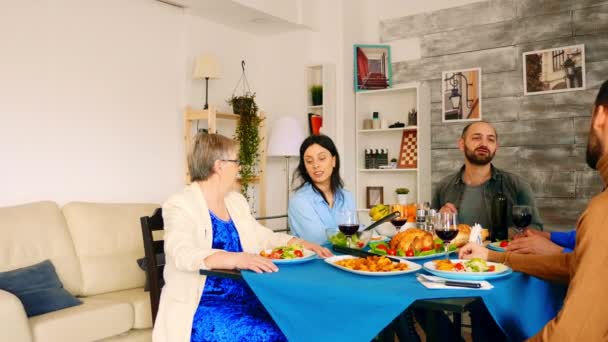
(240, 261)
(472, 250)
(320, 250)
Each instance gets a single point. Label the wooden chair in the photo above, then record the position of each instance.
(152, 248)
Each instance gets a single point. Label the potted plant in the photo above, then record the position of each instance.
(402, 195)
(316, 92)
(248, 135)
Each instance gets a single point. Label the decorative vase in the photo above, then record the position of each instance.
(402, 199)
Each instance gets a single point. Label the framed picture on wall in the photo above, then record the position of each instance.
(372, 67)
(374, 195)
(554, 70)
(461, 95)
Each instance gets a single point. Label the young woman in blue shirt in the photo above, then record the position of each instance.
(320, 196)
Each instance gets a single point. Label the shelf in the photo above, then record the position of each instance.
(316, 107)
(406, 86)
(399, 129)
(388, 170)
(203, 114)
(362, 209)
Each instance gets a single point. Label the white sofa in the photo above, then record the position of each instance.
(94, 248)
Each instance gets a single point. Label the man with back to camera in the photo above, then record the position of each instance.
(583, 315)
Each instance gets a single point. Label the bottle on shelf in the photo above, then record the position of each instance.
(376, 120)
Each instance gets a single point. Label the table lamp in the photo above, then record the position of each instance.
(206, 67)
(285, 139)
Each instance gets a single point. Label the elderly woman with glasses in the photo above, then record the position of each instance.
(208, 226)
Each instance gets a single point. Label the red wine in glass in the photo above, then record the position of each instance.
(399, 222)
(446, 235)
(521, 216)
(446, 229)
(348, 229)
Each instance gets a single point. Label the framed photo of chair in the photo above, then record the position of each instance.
(372, 67)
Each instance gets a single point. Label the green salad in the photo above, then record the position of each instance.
(285, 252)
(339, 239)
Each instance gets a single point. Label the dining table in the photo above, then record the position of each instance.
(314, 301)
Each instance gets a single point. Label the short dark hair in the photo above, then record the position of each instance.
(466, 128)
(602, 95)
(300, 172)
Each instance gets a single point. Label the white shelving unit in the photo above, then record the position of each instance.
(324, 75)
(393, 105)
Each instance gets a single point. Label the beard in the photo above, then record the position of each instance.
(475, 159)
(594, 150)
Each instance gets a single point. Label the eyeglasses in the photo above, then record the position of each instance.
(236, 161)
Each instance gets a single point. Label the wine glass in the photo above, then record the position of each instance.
(348, 223)
(521, 216)
(446, 229)
(398, 222)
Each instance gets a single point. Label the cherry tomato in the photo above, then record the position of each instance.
(391, 251)
(298, 253)
(384, 247)
(459, 266)
(360, 244)
(491, 268)
(275, 255)
(504, 243)
(426, 249)
(409, 253)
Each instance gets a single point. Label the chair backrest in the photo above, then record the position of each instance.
(152, 248)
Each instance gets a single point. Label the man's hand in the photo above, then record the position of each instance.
(448, 208)
(533, 243)
(473, 250)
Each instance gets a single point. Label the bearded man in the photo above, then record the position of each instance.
(469, 192)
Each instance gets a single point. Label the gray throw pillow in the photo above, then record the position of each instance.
(38, 287)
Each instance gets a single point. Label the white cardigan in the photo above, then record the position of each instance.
(188, 240)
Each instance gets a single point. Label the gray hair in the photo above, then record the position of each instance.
(205, 150)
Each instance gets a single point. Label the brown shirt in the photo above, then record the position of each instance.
(584, 316)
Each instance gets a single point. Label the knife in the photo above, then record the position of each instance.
(451, 282)
(360, 253)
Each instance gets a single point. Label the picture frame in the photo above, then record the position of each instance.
(554, 70)
(461, 95)
(372, 66)
(374, 195)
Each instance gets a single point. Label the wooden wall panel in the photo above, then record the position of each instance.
(447, 19)
(542, 137)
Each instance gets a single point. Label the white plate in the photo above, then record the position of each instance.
(413, 267)
(501, 271)
(307, 256)
(495, 246)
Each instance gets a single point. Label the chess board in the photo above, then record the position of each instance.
(408, 155)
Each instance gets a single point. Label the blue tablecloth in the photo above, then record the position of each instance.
(313, 301)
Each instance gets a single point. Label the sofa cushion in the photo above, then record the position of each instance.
(139, 300)
(93, 320)
(108, 240)
(133, 335)
(38, 288)
(35, 232)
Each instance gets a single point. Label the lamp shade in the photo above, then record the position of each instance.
(206, 67)
(286, 137)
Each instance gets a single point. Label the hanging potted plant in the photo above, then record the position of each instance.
(248, 136)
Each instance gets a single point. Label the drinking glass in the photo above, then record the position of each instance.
(446, 229)
(398, 222)
(348, 223)
(521, 216)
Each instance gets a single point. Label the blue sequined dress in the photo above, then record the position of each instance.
(229, 310)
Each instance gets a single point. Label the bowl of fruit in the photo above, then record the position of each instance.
(359, 240)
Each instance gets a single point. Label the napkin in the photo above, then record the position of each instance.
(475, 235)
(432, 285)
